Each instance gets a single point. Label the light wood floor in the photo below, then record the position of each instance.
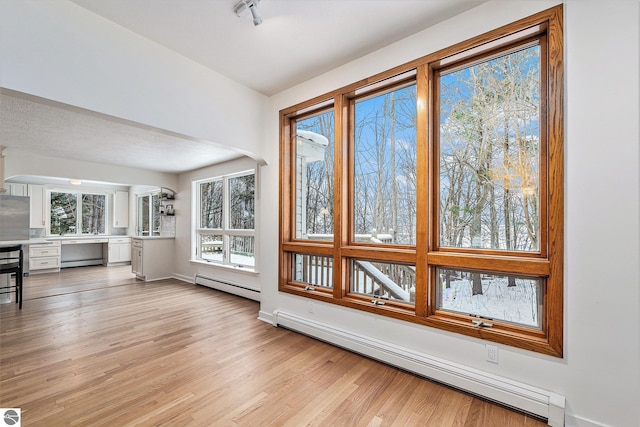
(92, 346)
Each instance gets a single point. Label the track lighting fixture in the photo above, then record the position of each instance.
(253, 7)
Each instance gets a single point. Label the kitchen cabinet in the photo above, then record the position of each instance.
(37, 200)
(136, 257)
(152, 258)
(44, 257)
(119, 250)
(17, 189)
(121, 209)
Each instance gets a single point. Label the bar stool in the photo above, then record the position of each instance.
(11, 262)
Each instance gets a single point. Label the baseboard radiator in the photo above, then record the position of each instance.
(533, 400)
(227, 286)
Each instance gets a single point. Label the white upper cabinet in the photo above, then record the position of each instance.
(38, 214)
(121, 209)
(16, 189)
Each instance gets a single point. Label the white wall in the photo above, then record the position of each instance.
(57, 50)
(599, 375)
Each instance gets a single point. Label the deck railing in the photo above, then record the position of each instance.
(383, 280)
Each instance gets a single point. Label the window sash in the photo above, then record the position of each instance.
(148, 214)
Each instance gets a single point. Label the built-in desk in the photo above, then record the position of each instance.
(82, 251)
(79, 251)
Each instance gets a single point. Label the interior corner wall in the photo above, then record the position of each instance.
(60, 51)
(599, 374)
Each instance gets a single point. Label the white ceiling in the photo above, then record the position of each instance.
(298, 40)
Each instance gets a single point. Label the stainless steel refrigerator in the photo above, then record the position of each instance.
(14, 218)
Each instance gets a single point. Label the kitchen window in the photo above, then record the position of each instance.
(148, 215)
(433, 193)
(225, 231)
(77, 213)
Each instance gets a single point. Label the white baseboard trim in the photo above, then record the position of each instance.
(518, 395)
(183, 278)
(266, 317)
(573, 421)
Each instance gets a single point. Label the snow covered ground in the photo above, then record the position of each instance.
(518, 304)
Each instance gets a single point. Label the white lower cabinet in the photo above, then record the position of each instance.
(136, 257)
(152, 258)
(119, 250)
(44, 257)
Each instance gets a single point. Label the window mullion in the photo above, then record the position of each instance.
(342, 183)
(424, 197)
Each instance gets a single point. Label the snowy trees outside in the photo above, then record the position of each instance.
(384, 194)
(94, 208)
(65, 218)
(64, 212)
(227, 220)
(314, 177)
(489, 159)
(484, 178)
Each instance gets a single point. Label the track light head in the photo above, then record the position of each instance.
(257, 20)
(253, 7)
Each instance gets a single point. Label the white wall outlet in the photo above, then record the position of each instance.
(310, 307)
(492, 353)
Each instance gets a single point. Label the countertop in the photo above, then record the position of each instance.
(87, 237)
(34, 241)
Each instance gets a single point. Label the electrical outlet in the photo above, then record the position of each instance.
(310, 307)
(492, 353)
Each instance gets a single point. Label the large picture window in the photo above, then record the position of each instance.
(434, 192)
(225, 232)
(75, 213)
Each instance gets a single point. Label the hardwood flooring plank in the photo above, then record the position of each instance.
(94, 346)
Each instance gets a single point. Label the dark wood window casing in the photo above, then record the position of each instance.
(330, 250)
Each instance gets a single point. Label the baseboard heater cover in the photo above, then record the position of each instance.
(227, 286)
(524, 397)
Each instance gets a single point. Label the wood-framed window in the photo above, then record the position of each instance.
(433, 192)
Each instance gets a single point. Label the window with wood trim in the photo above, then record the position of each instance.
(433, 193)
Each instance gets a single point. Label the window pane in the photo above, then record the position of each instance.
(93, 213)
(491, 296)
(315, 270)
(211, 246)
(384, 196)
(241, 251)
(314, 177)
(489, 159)
(143, 215)
(155, 215)
(64, 210)
(211, 204)
(242, 202)
(384, 280)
